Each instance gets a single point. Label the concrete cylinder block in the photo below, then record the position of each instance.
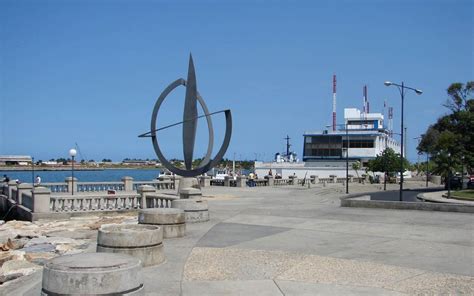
(144, 242)
(195, 210)
(172, 221)
(93, 274)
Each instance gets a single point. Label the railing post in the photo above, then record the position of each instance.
(41, 199)
(70, 184)
(23, 187)
(144, 190)
(241, 181)
(270, 180)
(127, 183)
(205, 181)
(227, 181)
(11, 184)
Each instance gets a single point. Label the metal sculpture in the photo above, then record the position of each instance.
(190, 117)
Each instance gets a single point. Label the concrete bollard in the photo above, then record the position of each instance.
(127, 183)
(23, 187)
(93, 274)
(70, 182)
(41, 198)
(144, 242)
(11, 184)
(241, 181)
(144, 190)
(195, 210)
(205, 181)
(227, 181)
(270, 180)
(172, 221)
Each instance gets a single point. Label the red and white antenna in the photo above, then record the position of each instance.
(334, 102)
(390, 121)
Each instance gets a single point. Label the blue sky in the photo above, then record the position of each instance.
(90, 71)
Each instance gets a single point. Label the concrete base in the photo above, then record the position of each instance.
(93, 274)
(196, 210)
(171, 220)
(187, 193)
(186, 182)
(144, 242)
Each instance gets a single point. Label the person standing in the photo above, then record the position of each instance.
(37, 180)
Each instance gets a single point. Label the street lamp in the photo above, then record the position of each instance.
(401, 89)
(72, 153)
(449, 175)
(427, 167)
(347, 154)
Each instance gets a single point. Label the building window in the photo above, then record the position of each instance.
(358, 144)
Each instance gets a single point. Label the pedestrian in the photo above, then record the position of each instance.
(6, 179)
(37, 180)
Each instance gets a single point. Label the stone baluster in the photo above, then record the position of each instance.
(23, 187)
(144, 190)
(127, 183)
(41, 199)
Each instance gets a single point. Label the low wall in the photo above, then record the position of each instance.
(363, 201)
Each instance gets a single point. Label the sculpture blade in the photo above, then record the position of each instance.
(190, 116)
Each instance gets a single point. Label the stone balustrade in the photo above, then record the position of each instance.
(94, 202)
(158, 201)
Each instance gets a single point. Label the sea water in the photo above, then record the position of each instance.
(107, 175)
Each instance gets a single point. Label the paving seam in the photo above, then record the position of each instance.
(278, 287)
(372, 236)
(413, 276)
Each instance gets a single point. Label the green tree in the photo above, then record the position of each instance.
(388, 161)
(453, 133)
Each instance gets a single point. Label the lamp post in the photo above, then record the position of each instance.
(72, 153)
(347, 154)
(449, 175)
(401, 89)
(33, 171)
(427, 167)
(462, 172)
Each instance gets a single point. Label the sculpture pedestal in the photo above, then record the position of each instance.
(189, 188)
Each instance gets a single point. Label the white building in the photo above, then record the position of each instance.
(361, 137)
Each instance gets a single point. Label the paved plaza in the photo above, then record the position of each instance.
(299, 241)
(295, 241)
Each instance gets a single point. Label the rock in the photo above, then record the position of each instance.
(9, 277)
(96, 225)
(76, 234)
(39, 258)
(40, 248)
(16, 244)
(61, 249)
(19, 266)
(6, 234)
(18, 255)
(36, 241)
(5, 256)
(26, 233)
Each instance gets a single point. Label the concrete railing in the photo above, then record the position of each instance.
(158, 201)
(96, 202)
(127, 184)
(160, 185)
